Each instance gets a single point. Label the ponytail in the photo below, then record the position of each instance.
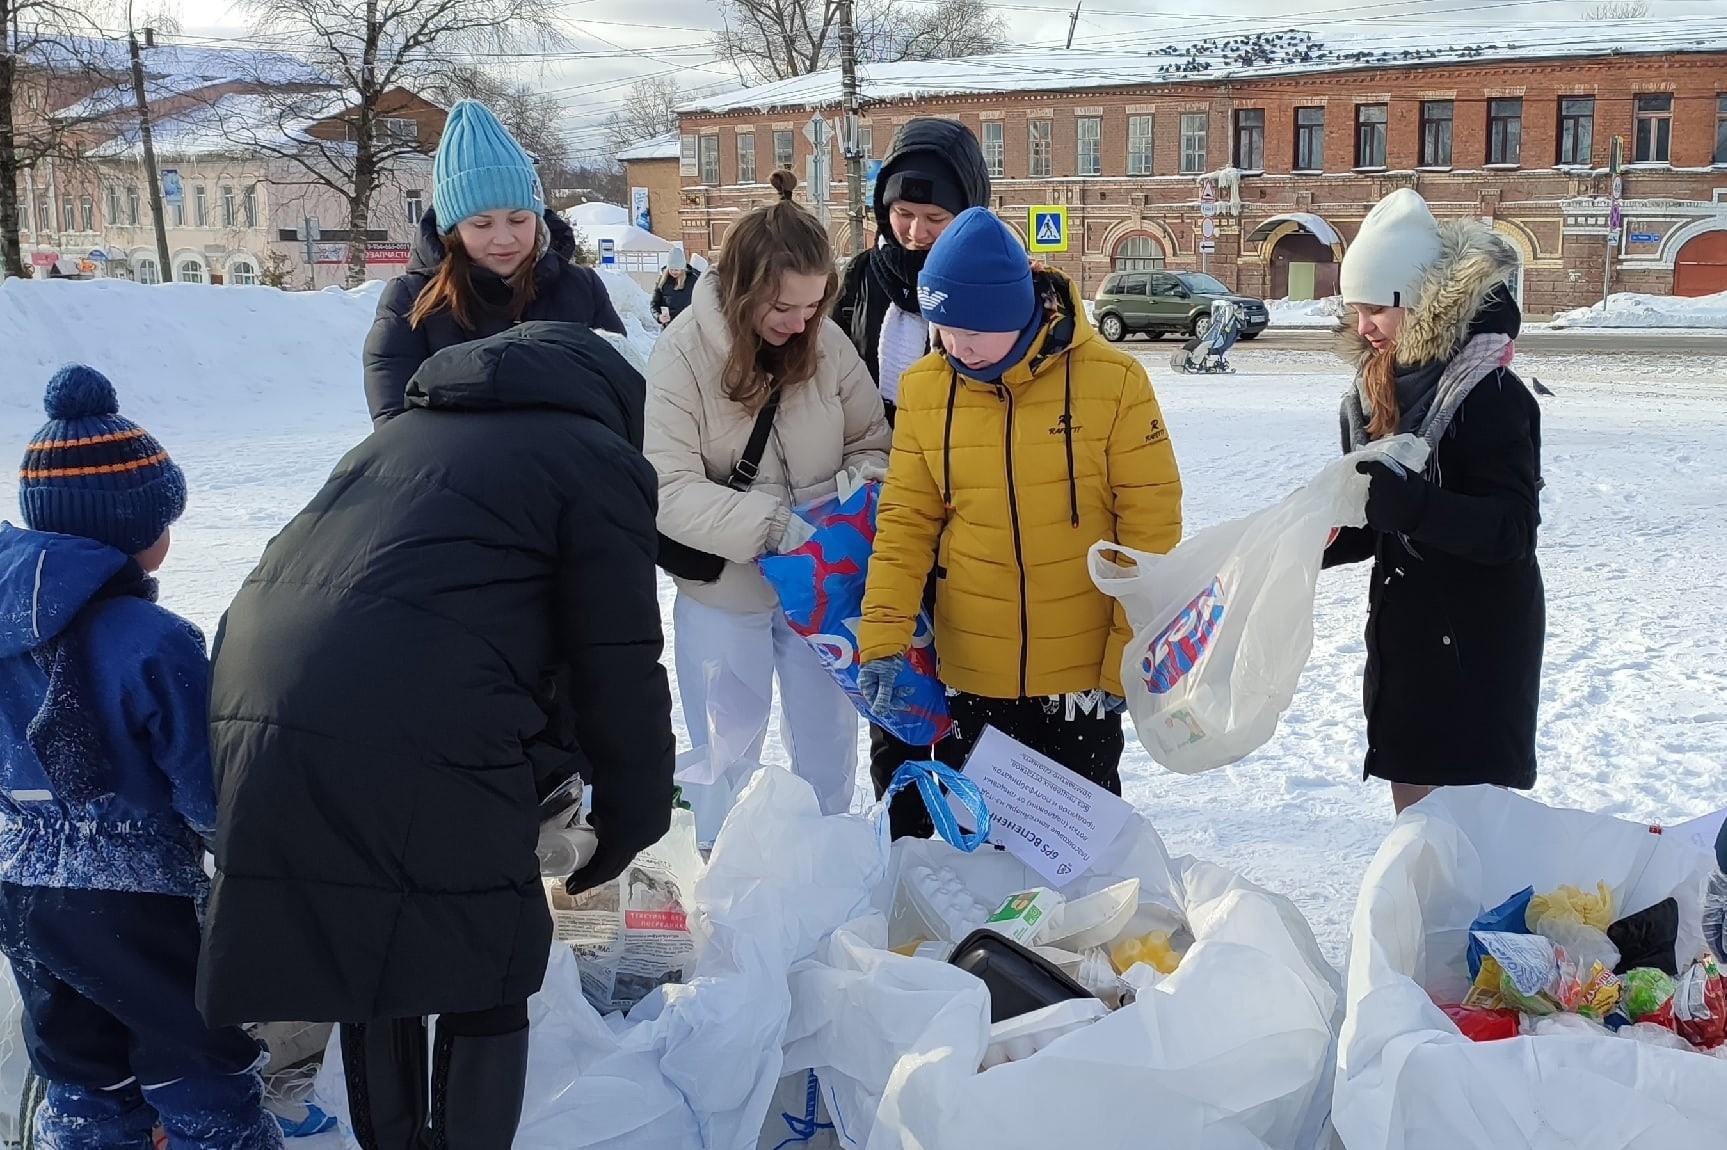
(784, 182)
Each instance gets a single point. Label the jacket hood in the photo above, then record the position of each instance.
(1466, 291)
(1065, 325)
(950, 142)
(45, 580)
(428, 251)
(539, 364)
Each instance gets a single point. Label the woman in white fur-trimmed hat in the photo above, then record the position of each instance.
(1457, 614)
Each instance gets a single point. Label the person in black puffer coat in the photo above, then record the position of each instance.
(1457, 615)
(487, 256)
(934, 170)
(676, 289)
(383, 725)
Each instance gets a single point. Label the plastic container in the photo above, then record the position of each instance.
(1094, 920)
(1026, 915)
(1019, 980)
(563, 851)
(1019, 1038)
(941, 902)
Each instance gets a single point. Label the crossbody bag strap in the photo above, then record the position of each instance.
(749, 465)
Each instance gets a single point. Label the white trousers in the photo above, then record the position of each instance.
(727, 662)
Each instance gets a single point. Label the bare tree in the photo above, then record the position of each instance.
(1618, 10)
(650, 109)
(370, 49)
(779, 39)
(50, 58)
(534, 118)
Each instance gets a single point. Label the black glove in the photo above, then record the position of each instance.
(605, 866)
(1396, 497)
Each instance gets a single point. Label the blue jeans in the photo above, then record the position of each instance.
(106, 980)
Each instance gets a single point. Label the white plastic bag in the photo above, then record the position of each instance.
(1223, 624)
(695, 1065)
(1235, 1049)
(1408, 1080)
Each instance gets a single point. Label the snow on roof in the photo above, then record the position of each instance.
(185, 61)
(234, 124)
(626, 237)
(582, 215)
(663, 147)
(1335, 48)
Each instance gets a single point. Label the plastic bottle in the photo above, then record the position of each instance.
(563, 851)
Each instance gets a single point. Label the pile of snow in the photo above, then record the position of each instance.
(1629, 309)
(597, 215)
(1323, 313)
(635, 307)
(598, 222)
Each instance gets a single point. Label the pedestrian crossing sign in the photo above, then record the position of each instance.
(1047, 228)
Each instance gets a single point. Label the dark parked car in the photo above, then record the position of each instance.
(1169, 303)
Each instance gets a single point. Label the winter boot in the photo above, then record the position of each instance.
(215, 1112)
(78, 1118)
(477, 1087)
(385, 1065)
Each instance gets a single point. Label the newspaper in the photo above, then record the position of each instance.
(633, 933)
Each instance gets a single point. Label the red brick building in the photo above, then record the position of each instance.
(1299, 135)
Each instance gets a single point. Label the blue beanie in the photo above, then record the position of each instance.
(977, 277)
(480, 168)
(91, 472)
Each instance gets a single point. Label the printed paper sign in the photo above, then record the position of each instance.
(1042, 813)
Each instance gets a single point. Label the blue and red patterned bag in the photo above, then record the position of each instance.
(821, 588)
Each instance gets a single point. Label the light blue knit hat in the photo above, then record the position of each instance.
(480, 168)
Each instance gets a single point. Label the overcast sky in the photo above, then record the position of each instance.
(615, 41)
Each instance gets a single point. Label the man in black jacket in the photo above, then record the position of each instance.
(466, 614)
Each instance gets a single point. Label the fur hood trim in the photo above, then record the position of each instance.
(1473, 261)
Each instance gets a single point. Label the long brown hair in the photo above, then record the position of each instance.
(452, 288)
(767, 244)
(1379, 380)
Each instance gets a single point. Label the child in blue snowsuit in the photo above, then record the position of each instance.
(105, 795)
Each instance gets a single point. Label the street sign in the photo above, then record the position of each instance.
(817, 132)
(44, 259)
(1208, 228)
(1208, 191)
(1645, 238)
(640, 215)
(608, 253)
(97, 256)
(386, 253)
(172, 191)
(1207, 246)
(86, 267)
(1047, 227)
(1208, 208)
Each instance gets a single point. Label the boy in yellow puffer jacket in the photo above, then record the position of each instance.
(1019, 444)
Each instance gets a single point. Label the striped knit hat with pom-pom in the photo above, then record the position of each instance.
(92, 472)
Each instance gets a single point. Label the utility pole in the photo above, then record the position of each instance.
(1073, 22)
(151, 176)
(853, 126)
(1615, 216)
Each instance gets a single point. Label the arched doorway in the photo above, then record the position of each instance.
(1303, 268)
(1137, 253)
(1700, 268)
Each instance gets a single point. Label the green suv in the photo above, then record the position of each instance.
(1169, 303)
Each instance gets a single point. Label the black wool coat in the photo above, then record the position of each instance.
(1457, 616)
(395, 349)
(465, 615)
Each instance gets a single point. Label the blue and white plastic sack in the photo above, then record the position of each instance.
(821, 589)
(1234, 1051)
(1223, 625)
(1409, 1080)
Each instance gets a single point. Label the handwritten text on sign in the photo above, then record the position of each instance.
(1040, 812)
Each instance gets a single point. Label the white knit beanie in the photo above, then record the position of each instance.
(1385, 265)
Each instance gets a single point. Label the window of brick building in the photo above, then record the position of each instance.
(1654, 129)
(1505, 131)
(87, 212)
(1250, 139)
(113, 206)
(710, 159)
(1370, 124)
(1138, 254)
(68, 214)
(200, 207)
(147, 272)
(414, 202)
(250, 205)
(1088, 131)
(176, 213)
(229, 206)
(746, 157)
(1436, 133)
(1310, 139)
(1194, 128)
(1576, 129)
(994, 148)
(1038, 148)
(1721, 129)
(783, 148)
(132, 205)
(1139, 147)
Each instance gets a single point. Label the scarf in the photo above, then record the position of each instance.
(905, 339)
(994, 372)
(1429, 395)
(895, 269)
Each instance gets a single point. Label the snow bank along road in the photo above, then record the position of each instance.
(1538, 341)
(1634, 713)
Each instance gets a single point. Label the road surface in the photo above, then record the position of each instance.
(1588, 341)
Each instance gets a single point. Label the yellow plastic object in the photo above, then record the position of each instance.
(910, 948)
(1570, 904)
(1154, 949)
(1600, 993)
(1484, 994)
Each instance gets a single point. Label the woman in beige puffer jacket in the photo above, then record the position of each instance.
(758, 321)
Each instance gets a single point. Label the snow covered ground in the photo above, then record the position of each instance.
(1631, 310)
(258, 394)
(1321, 313)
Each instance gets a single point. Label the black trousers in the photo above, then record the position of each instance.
(1073, 730)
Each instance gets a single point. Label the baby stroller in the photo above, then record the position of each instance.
(1207, 353)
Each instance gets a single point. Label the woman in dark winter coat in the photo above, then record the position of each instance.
(1457, 616)
(676, 289)
(488, 255)
(934, 170)
(464, 618)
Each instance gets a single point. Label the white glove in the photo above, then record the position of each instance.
(797, 533)
(852, 478)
